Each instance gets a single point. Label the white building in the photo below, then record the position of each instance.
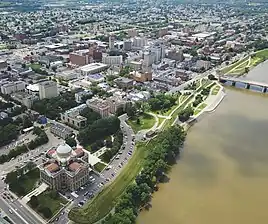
(112, 60)
(139, 42)
(12, 87)
(148, 58)
(48, 89)
(93, 68)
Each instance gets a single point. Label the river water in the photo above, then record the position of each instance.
(222, 176)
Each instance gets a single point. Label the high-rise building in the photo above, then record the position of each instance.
(48, 89)
(139, 42)
(132, 33)
(12, 87)
(111, 41)
(148, 58)
(127, 45)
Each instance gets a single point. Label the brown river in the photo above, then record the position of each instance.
(222, 176)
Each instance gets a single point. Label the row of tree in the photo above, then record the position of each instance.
(159, 159)
(114, 146)
(40, 140)
(185, 114)
(99, 129)
(162, 101)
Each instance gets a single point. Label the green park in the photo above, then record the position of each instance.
(111, 196)
(245, 64)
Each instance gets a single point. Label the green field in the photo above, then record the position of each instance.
(215, 90)
(229, 68)
(199, 108)
(147, 121)
(104, 202)
(53, 203)
(99, 167)
(35, 66)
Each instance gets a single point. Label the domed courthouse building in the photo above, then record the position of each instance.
(65, 169)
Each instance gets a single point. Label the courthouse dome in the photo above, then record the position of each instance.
(64, 150)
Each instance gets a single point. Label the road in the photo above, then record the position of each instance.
(106, 176)
(31, 155)
(15, 210)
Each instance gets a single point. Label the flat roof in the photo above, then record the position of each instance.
(33, 87)
(93, 66)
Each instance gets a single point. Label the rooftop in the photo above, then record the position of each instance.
(93, 66)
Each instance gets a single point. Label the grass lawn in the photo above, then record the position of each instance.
(262, 53)
(160, 119)
(54, 204)
(99, 167)
(199, 108)
(146, 122)
(3, 46)
(228, 68)
(104, 202)
(102, 158)
(215, 90)
(35, 66)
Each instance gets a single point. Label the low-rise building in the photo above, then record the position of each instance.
(73, 118)
(100, 106)
(61, 130)
(79, 96)
(124, 82)
(25, 98)
(93, 68)
(142, 76)
(65, 171)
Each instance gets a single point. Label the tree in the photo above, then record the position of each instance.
(30, 165)
(26, 122)
(131, 110)
(11, 177)
(34, 201)
(46, 212)
(70, 141)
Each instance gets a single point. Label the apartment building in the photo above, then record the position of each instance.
(12, 87)
(73, 118)
(48, 89)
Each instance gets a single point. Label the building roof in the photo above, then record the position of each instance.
(93, 67)
(52, 167)
(75, 166)
(79, 151)
(64, 150)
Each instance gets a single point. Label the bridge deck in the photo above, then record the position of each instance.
(250, 82)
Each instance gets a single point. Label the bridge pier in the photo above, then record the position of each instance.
(233, 83)
(247, 85)
(264, 89)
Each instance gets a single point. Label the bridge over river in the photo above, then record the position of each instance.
(243, 83)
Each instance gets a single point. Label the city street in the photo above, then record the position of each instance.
(15, 210)
(31, 155)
